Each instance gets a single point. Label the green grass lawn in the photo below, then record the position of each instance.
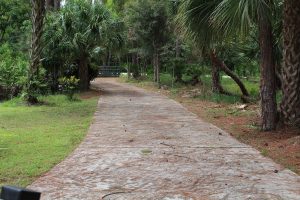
(35, 138)
(228, 84)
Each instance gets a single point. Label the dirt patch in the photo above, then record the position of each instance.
(90, 94)
(282, 145)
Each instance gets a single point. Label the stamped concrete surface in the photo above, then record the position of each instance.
(142, 145)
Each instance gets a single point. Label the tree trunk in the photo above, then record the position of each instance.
(144, 66)
(267, 68)
(109, 57)
(234, 77)
(237, 80)
(38, 13)
(178, 75)
(215, 75)
(177, 48)
(54, 76)
(128, 67)
(84, 74)
(57, 4)
(49, 4)
(290, 105)
(154, 68)
(157, 69)
(53, 4)
(278, 73)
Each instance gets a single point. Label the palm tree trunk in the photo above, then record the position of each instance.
(290, 105)
(38, 12)
(157, 69)
(215, 74)
(234, 77)
(237, 80)
(267, 67)
(84, 74)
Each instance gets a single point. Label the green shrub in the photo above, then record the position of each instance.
(93, 71)
(195, 69)
(13, 70)
(69, 86)
(35, 86)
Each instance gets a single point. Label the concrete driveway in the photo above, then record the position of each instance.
(144, 146)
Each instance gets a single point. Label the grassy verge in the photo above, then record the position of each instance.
(205, 90)
(34, 139)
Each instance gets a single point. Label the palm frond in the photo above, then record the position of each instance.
(195, 21)
(232, 17)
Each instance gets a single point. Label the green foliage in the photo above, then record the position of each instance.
(79, 31)
(69, 86)
(135, 70)
(34, 86)
(196, 70)
(13, 70)
(177, 57)
(195, 22)
(116, 5)
(233, 17)
(147, 25)
(242, 56)
(14, 23)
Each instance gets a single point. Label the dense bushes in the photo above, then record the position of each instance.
(13, 69)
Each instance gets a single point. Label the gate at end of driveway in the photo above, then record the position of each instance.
(109, 71)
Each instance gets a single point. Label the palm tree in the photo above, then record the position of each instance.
(233, 16)
(38, 12)
(195, 17)
(78, 34)
(215, 20)
(57, 52)
(114, 39)
(267, 70)
(84, 26)
(290, 105)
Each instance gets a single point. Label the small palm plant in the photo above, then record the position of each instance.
(69, 86)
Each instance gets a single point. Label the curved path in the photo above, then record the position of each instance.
(144, 146)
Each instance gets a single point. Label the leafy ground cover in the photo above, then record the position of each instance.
(239, 120)
(35, 138)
